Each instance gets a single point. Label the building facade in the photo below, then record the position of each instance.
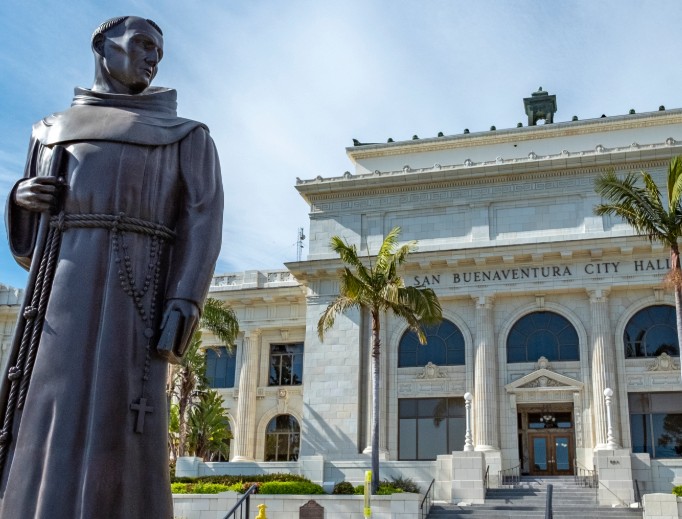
(545, 306)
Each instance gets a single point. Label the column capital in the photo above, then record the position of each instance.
(598, 295)
(253, 334)
(483, 301)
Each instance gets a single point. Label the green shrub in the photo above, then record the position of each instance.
(677, 490)
(231, 480)
(198, 488)
(343, 488)
(386, 489)
(290, 487)
(405, 484)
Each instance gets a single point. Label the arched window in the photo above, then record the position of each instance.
(444, 347)
(542, 334)
(651, 331)
(282, 438)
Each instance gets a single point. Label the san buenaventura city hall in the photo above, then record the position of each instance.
(545, 306)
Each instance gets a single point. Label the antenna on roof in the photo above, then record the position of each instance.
(299, 243)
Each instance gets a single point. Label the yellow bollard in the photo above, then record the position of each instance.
(368, 494)
(261, 512)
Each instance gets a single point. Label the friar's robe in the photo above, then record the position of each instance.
(76, 452)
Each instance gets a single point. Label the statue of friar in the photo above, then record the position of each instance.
(119, 219)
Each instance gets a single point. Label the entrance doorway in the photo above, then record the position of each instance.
(551, 454)
(546, 439)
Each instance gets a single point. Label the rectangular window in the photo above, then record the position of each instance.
(428, 427)
(286, 364)
(220, 367)
(656, 423)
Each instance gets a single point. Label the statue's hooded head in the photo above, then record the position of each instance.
(127, 53)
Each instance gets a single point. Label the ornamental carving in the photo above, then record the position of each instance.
(663, 362)
(431, 371)
(543, 362)
(543, 382)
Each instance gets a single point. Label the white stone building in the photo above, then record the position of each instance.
(545, 304)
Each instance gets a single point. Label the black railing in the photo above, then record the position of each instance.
(638, 494)
(241, 508)
(584, 477)
(425, 507)
(590, 478)
(549, 514)
(510, 476)
(486, 479)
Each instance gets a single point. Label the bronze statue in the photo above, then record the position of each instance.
(119, 218)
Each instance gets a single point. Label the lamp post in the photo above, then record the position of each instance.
(610, 440)
(468, 444)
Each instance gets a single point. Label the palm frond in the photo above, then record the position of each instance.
(423, 302)
(675, 184)
(219, 318)
(639, 207)
(328, 317)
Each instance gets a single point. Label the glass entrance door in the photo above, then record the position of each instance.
(551, 453)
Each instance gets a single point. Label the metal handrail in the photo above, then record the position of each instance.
(583, 476)
(486, 479)
(638, 495)
(242, 505)
(510, 476)
(593, 482)
(549, 513)
(428, 500)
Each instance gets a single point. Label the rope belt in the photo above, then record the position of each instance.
(20, 373)
(115, 223)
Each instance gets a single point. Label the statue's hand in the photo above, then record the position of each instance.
(190, 317)
(38, 194)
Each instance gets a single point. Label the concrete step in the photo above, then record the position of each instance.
(528, 498)
(490, 512)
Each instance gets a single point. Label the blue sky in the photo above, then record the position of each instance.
(285, 85)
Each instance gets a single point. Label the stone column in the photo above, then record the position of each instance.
(485, 424)
(244, 447)
(602, 363)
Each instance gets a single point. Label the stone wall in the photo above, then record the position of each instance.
(396, 506)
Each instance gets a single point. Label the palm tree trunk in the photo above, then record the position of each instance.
(676, 279)
(376, 408)
(186, 388)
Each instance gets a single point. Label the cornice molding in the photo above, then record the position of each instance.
(365, 187)
(527, 133)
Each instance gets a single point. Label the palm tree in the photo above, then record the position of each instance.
(208, 433)
(218, 318)
(378, 288)
(649, 215)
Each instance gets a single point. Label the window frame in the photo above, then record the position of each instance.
(211, 355)
(453, 352)
(295, 360)
(566, 338)
(293, 441)
(637, 348)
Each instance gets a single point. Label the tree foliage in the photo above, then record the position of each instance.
(377, 288)
(650, 214)
(187, 381)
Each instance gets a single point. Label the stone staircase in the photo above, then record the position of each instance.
(527, 499)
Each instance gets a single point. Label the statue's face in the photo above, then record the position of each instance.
(131, 56)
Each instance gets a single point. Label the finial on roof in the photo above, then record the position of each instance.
(540, 105)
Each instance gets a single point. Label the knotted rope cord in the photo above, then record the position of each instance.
(118, 222)
(54, 240)
(20, 374)
(16, 372)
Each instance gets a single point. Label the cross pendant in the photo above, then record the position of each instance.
(142, 408)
